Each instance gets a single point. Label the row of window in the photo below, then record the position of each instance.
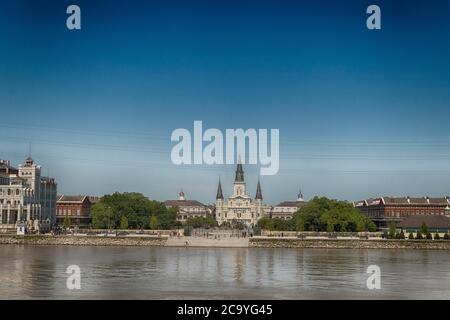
(417, 212)
(68, 211)
(238, 215)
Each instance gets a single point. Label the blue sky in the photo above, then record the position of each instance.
(361, 113)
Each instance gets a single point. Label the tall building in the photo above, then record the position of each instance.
(188, 208)
(5, 171)
(286, 209)
(240, 207)
(26, 197)
(382, 211)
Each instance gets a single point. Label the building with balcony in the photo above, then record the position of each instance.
(26, 198)
(76, 208)
(385, 210)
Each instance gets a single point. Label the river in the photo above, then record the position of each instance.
(39, 272)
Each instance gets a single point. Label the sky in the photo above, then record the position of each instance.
(361, 113)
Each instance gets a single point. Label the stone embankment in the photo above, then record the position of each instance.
(229, 242)
(255, 242)
(348, 244)
(83, 241)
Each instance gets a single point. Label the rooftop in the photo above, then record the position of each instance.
(72, 199)
(432, 221)
(183, 203)
(297, 204)
(440, 201)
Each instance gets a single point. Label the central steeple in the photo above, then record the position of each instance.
(239, 172)
(219, 191)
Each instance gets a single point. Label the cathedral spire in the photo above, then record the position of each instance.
(219, 191)
(239, 172)
(258, 191)
(300, 196)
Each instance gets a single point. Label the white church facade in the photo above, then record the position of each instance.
(240, 207)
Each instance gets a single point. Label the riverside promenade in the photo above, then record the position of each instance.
(228, 242)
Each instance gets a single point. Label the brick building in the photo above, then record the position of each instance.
(382, 211)
(76, 208)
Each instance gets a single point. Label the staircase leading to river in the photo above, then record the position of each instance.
(207, 242)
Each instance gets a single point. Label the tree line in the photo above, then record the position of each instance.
(132, 211)
(322, 214)
(135, 211)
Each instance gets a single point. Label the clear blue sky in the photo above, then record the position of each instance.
(361, 113)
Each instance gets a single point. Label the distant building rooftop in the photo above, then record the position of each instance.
(403, 201)
(72, 199)
(296, 204)
(183, 203)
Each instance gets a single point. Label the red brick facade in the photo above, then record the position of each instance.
(389, 209)
(76, 208)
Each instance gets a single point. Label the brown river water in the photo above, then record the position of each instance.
(39, 272)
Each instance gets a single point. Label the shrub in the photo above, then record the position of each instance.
(424, 228)
(392, 231)
(419, 235)
(437, 236)
(446, 236)
(429, 236)
(411, 236)
(400, 235)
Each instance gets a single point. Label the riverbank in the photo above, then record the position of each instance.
(348, 244)
(83, 241)
(255, 242)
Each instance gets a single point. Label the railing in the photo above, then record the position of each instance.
(319, 234)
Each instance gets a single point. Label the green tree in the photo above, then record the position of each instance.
(66, 222)
(400, 235)
(201, 222)
(137, 209)
(429, 236)
(411, 236)
(437, 236)
(424, 228)
(124, 222)
(154, 224)
(299, 224)
(446, 236)
(392, 230)
(323, 214)
(419, 235)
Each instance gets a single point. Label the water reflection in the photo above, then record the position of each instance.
(236, 273)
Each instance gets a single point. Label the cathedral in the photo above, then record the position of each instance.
(240, 207)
